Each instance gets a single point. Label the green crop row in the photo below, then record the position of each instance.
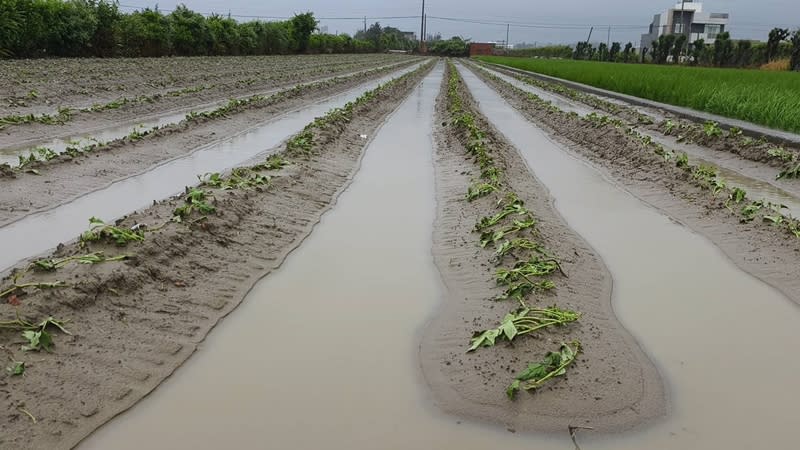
(762, 97)
(197, 205)
(736, 201)
(709, 133)
(44, 154)
(512, 233)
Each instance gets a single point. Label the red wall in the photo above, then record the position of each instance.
(480, 49)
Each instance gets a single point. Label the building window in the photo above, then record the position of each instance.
(678, 28)
(713, 30)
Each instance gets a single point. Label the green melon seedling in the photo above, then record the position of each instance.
(490, 221)
(99, 230)
(521, 322)
(36, 334)
(536, 266)
(479, 190)
(522, 289)
(196, 200)
(553, 365)
(51, 264)
(493, 237)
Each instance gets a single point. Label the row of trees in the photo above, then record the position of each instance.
(455, 46)
(386, 38)
(724, 52)
(41, 28)
(615, 53)
(550, 51)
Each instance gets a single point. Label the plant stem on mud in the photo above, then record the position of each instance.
(16, 287)
(523, 321)
(99, 230)
(537, 374)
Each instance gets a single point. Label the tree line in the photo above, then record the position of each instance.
(674, 48)
(97, 28)
(548, 51)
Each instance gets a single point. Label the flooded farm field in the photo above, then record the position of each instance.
(389, 251)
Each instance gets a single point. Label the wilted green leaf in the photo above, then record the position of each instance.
(553, 365)
(16, 368)
(37, 340)
(523, 321)
(484, 339)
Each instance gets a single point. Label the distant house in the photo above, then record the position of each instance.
(410, 35)
(687, 18)
(478, 48)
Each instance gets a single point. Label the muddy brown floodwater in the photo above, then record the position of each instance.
(10, 155)
(756, 178)
(337, 327)
(698, 316)
(161, 181)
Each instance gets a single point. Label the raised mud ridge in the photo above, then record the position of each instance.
(134, 323)
(66, 177)
(614, 385)
(138, 90)
(767, 252)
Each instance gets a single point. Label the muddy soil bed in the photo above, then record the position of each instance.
(613, 386)
(38, 85)
(242, 78)
(765, 251)
(134, 322)
(762, 158)
(65, 178)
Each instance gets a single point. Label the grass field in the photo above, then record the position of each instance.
(762, 97)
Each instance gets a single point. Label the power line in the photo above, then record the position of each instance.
(499, 23)
(245, 16)
(541, 26)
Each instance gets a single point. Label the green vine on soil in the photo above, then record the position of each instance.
(303, 143)
(511, 231)
(704, 177)
(44, 154)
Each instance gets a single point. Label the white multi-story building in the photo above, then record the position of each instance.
(687, 18)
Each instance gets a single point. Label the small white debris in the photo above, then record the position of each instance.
(363, 136)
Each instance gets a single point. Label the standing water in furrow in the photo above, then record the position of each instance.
(160, 182)
(11, 155)
(335, 327)
(755, 178)
(703, 321)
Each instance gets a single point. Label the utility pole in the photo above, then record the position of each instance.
(422, 29)
(608, 39)
(683, 25)
(508, 26)
(365, 24)
(590, 35)
(425, 26)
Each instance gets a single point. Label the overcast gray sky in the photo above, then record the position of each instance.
(750, 19)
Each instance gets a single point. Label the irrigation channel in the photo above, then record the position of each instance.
(758, 180)
(129, 194)
(10, 155)
(697, 315)
(337, 325)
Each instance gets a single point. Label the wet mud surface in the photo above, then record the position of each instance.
(66, 178)
(681, 296)
(747, 162)
(135, 321)
(614, 386)
(122, 90)
(767, 252)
